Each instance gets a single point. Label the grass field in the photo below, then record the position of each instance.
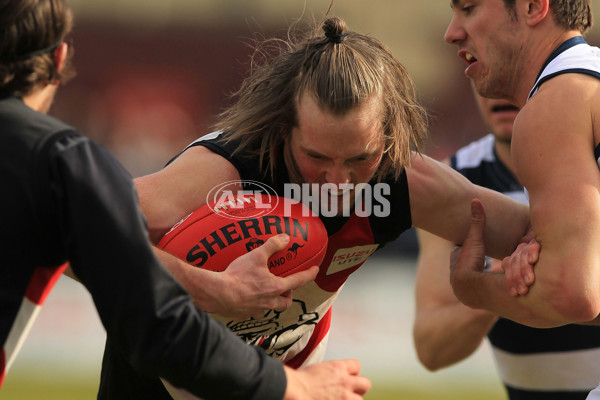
(21, 387)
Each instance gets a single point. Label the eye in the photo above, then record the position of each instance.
(315, 156)
(360, 159)
(468, 9)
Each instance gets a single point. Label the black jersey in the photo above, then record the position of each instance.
(352, 240)
(64, 198)
(557, 363)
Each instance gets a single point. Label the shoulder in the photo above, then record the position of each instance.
(22, 125)
(14, 111)
(565, 100)
(562, 112)
(182, 186)
(220, 147)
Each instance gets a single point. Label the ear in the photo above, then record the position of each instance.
(537, 11)
(60, 55)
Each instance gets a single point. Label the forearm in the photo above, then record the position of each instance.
(544, 306)
(440, 204)
(448, 334)
(188, 277)
(507, 221)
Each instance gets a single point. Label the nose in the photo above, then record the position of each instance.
(338, 175)
(455, 34)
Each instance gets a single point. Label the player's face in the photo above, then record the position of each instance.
(337, 149)
(489, 41)
(499, 115)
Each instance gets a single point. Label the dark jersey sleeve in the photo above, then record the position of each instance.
(149, 318)
(249, 167)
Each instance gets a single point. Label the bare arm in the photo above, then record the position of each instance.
(180, 188)
(440, 203)
(445, 330)
(553, 152)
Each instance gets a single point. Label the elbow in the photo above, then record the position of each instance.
(427, 354)
(576, 303)
(579, 308)
(429, 361)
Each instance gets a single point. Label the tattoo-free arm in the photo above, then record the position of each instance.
(440, 201)
(553, 154)
(445, 330)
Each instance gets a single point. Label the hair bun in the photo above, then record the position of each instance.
(334, 29)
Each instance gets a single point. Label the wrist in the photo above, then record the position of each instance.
(464, 285)
(293, 385)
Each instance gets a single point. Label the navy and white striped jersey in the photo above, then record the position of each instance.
(558, 363)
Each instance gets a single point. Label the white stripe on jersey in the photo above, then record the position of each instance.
(579, 57)
(20, 329)
(565, 370)
(208, 136)
(474, 153)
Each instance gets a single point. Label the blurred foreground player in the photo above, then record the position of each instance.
(66, 199)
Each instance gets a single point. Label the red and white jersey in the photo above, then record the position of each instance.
(39, 287)
(297, 336)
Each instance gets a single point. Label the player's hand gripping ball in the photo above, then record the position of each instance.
(217, 233)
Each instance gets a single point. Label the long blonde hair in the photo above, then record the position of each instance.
(341, 69)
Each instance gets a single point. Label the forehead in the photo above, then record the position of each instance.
(358, 129)
(460, 3)
(310, 112)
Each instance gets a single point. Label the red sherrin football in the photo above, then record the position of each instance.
(216, 234)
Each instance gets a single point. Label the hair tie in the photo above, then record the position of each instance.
(335, 37)
(25, 56)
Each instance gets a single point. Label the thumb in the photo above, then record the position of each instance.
(473, 248)
(475, 234)
(273, 245)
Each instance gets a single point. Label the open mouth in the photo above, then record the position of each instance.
(339, 192)
(470, 58)
(504, 108)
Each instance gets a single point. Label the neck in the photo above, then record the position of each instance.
(40, 99)
(536, 57)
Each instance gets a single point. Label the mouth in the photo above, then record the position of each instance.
(337, 194)
(504, 108)
(340, 192)
(468, 57)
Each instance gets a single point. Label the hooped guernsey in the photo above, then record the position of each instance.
(64, 198)
(574, 55)
(552, 364)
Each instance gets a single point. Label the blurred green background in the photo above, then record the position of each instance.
(152, 75)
